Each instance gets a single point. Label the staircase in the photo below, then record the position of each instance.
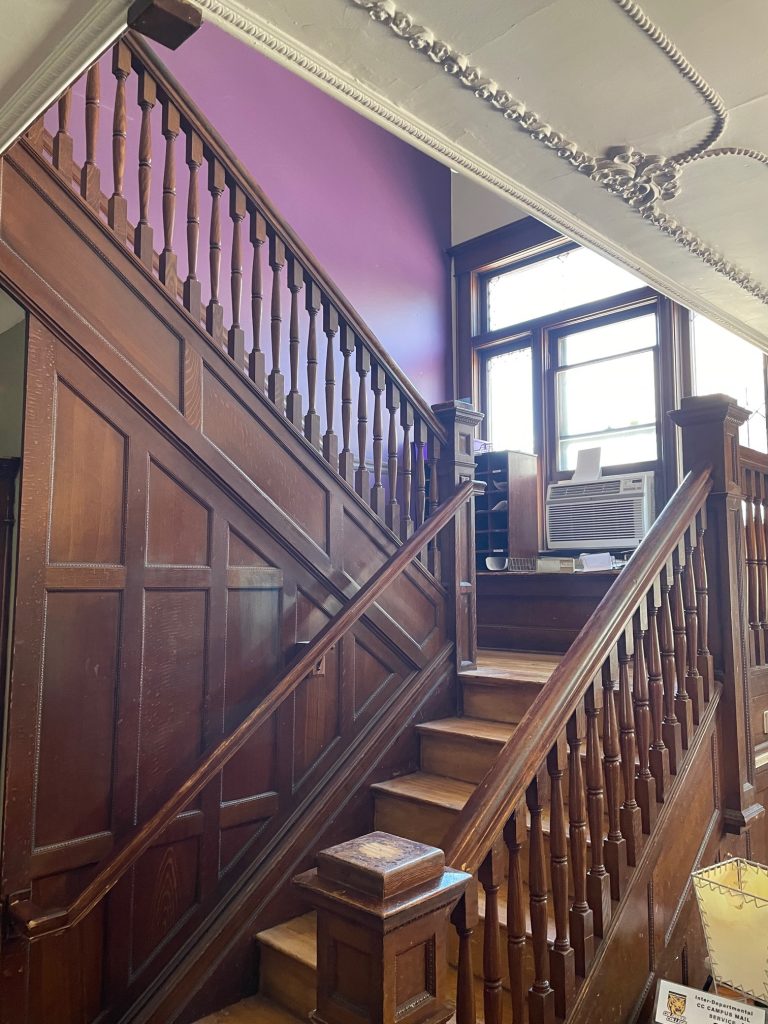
(455, 754)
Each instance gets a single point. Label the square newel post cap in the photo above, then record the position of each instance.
(383, 906)
(383, 878)
(710, 427)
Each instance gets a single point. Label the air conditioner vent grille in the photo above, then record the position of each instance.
(609, 514)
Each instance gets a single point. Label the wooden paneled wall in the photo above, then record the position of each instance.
(178, 540)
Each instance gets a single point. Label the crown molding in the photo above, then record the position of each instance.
(100, 25)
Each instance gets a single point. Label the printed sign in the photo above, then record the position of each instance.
(677, 1004)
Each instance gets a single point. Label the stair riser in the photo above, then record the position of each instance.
(497, 703)
(457, 757)
(287, 981)
(420, 822)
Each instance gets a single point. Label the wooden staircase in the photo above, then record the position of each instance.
(455, 754)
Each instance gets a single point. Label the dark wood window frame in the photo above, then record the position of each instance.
(527, 241)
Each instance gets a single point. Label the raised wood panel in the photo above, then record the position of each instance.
(408, 604)
(88, 505)
(165, 883)
(78, 701)
(173, 690)
(241, 553)
(72, 263)
(171, 506)
(371, 675)
(236, 432)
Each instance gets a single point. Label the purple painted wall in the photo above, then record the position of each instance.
(375, 211)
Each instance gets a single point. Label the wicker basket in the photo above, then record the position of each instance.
(733, 903)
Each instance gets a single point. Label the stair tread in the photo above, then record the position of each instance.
(512, 666)
(473, 728)
(254, 1010)
(424, 788)
(295, 938)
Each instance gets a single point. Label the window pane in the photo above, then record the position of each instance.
(609, 395)
(569, 279)
(510, 400)
(724, 363)
(608, 340)
(634, 445)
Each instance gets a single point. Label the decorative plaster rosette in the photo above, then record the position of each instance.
(643, 181)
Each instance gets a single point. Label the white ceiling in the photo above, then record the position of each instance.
(554, 104)
(537, 97)
(45, 45)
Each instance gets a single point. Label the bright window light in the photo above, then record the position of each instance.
(725, 364)
(568, 279)
(509, 378)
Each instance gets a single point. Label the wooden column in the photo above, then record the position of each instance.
(383, 905)
(457, 465)
(9, 469)
(710, 427)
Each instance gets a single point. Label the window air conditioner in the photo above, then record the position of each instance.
(612, 513)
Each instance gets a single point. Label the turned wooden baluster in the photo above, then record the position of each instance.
(293, 398)
(167, 264)
(62, 140)
(330, 440)
(362, 476)
(192, 287)
(750, 538)
(117, 207)
(90, 176)
(491, 875)
(214, 312)
(630, 815)
(694, 684)
(614, 844)
(406, 519)
(142, 235)
(276, 383)
(420, 440)
(598, 879)
(236, 335)
(762, 560)
(704, 656)
(562, 963)
(659, 755)
(257, 369)
(515, 836)
(671, 728)
(645, 784)
(393, 507)
(312, 419)
(378, 383)
(541, 996)
(346, 458)
(580, 918)
(433, 459)
(464, 919)
(683, 705)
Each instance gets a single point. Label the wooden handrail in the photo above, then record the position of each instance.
(34, 922)
(240, 175)
(500, 792)
(751, 459)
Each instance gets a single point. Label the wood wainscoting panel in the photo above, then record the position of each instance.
(238, 434)
(56, 237)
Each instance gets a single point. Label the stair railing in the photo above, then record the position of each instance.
(34, 922)
(629, 694)
(300, 342)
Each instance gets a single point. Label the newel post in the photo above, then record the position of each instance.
(456, 466)
(383, 906)
(710, 428)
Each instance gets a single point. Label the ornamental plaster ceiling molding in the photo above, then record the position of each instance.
(324, 42)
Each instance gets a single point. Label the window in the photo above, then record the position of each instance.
(723, 363)
(551, 284)
(509, 398)
(605, 389)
